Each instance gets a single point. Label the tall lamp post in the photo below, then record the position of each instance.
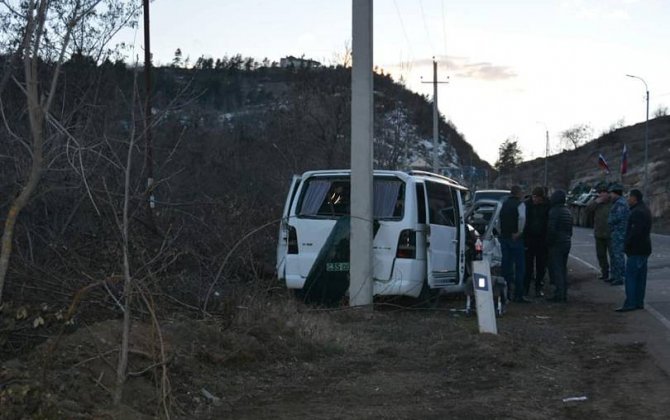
(646, 137)
(546, 152)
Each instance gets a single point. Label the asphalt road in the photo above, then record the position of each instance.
(657, 299)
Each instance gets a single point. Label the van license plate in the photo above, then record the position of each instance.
(342, 266)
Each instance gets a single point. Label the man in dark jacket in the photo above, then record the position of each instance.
(559, 237)
(535, 240)
(638, 248)
(512, 221)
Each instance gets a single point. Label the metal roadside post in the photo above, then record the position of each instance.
(483, 286)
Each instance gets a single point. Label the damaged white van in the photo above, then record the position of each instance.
(419, 230)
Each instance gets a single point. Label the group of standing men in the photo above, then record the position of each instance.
(535, 235)
(622, 229)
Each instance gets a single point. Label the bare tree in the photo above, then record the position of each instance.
(394, 137)
(343, 58)
(575, 136)
(47, 27)
(122, 365)
(620, 123)
(38, 104)
(661, 111)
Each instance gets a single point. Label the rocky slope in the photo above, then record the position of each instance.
(567, 169)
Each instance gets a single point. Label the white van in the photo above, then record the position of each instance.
(419, 239)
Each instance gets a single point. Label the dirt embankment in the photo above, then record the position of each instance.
(279, 359)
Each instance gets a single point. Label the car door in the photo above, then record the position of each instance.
(442, 235)
(484, 216)
(282, 242)
(459, 220)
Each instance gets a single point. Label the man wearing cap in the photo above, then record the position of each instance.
(512, 222)
(601, 230)
(617, 221)
(638, 248)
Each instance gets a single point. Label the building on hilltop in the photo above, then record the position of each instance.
(296, 62)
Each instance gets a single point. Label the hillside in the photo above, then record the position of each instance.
(570, 168)
(98, 240)
(226, 140)
(316, 101)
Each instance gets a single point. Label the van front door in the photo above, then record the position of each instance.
(443, 235)
(282, 242)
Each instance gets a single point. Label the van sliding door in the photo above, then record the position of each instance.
(443, 235)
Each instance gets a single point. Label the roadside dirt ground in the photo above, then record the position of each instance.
(279, 359)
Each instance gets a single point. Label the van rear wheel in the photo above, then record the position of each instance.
(428, 297)
(299, 294)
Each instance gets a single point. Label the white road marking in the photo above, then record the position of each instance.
(585, 263)
(663, 320)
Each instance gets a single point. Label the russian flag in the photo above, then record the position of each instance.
(624, 160)
(603, 163)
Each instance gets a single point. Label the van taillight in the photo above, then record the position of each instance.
(406, 244)
(292, 240)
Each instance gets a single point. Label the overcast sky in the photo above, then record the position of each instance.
(514, 66)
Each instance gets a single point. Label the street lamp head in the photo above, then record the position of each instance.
(640, 79)
(646, 136)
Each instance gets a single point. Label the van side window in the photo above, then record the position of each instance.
(421, 203)
(440, 204)
(388, 198)
(313, 198)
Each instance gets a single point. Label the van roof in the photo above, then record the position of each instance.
(422, 175)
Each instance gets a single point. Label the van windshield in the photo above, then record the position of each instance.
(330, 197)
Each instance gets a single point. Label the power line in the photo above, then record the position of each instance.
(408, 69)
(404, 32)
(425, 26)
(444, 31)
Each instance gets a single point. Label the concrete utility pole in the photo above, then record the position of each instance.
(362, 107)
(546, 153)
(436, 133)
(149, 159)
(546, 159)
(646, 141)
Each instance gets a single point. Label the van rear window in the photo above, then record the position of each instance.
(325, 197)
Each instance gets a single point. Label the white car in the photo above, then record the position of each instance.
(499, 195)
(484, 217)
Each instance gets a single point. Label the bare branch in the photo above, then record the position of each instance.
(225, 260)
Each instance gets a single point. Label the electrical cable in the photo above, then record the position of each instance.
(444, 31)
(404, 31)
(425, 26)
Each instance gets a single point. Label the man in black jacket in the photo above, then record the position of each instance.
(512, 221)
(559, 237)
(638, 248)
(535, 240)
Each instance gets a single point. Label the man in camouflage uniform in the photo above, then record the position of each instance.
(601, 230)
(617, 221)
